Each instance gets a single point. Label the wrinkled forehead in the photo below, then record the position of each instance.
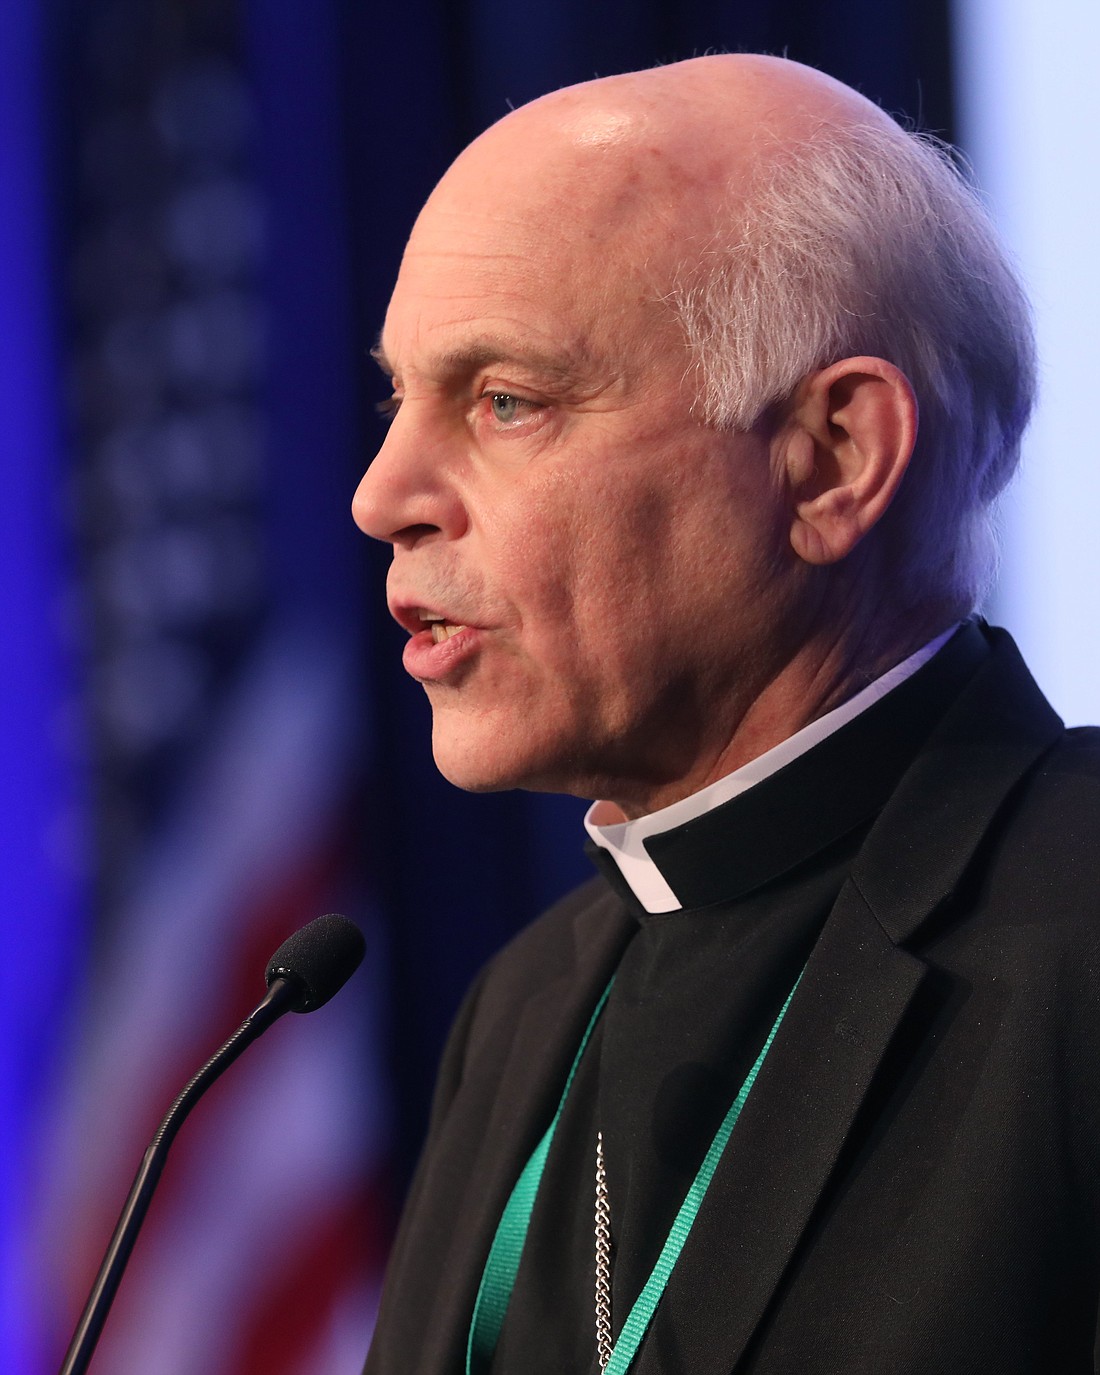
(570, 233)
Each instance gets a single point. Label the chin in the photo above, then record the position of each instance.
(487, 762)
(473, 764)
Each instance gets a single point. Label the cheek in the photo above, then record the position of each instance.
(628, 551)
(596, 579)
(544, 542)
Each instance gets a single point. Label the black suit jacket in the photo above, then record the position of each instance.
(914, 1185)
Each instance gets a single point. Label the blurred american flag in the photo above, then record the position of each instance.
(213, 432)
(263, 1248)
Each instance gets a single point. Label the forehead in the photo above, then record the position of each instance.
(568, 254)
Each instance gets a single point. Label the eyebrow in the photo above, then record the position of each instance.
(378, 353)
(479, 353)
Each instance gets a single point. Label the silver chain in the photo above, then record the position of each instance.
(603, 1260)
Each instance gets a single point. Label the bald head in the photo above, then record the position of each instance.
(656, 155)
(691, 126)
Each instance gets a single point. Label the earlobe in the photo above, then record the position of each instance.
(849, 440)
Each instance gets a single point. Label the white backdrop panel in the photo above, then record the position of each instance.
(1029, 117)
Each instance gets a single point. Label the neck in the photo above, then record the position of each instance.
(825, 671)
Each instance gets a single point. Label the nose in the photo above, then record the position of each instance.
(408, 493)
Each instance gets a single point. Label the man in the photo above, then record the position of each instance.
(705, 379)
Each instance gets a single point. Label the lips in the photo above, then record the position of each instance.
(439, 646)
(416, 616)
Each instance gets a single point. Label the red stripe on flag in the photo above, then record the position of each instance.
(289, 1320)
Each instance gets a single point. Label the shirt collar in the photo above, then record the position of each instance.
(626, 842)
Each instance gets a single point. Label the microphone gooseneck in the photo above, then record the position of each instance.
(304, 973)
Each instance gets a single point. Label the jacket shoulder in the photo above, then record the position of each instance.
(1077, 754)
(1058, 808)
(1035, 883)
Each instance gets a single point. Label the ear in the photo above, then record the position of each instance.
(848, 439)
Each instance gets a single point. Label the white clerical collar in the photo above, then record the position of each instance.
(624, 840)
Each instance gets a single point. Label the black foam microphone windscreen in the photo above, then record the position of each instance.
(319, 959)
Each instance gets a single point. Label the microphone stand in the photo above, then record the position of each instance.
(282, 996)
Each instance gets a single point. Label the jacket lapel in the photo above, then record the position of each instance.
(852, 997)
(855, 993)
(496, 1120)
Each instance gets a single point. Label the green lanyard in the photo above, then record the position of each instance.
(499, 1277)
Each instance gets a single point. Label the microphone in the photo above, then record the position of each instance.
(304, 973)
(317, 960)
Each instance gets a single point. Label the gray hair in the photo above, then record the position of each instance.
(866, 240)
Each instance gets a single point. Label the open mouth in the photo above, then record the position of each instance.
(441, 628)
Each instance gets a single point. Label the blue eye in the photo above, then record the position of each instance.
(505, 408)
